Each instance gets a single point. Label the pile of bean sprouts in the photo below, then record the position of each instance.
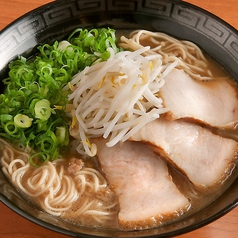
(114, 99)
(111, 99)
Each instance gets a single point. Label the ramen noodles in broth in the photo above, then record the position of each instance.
(139, 141)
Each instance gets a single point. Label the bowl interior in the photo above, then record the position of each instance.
(56, 20)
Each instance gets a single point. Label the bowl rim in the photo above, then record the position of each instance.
(44, 224)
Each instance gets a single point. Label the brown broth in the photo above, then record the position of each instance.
(199, 198)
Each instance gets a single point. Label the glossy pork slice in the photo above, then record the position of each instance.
(213, 102)
(205, 158)
(146, 193)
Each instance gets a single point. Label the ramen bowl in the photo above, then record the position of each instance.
(55, 21)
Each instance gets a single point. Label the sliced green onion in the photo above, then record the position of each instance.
(34, 86)
(60, 133)
(47, 144)
(22, 121)
(6, 117)
(42, 109)
(11, 130)
(37, 159)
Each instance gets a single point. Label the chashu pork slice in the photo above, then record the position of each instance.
(212, 102)
(205, 158)
(146, 193)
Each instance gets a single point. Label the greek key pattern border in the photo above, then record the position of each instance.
(167, 9)
(209, 27)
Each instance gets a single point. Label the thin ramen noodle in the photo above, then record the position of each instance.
(111, 99)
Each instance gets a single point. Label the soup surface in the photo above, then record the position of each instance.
(138, 134)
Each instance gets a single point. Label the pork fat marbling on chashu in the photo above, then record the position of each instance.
(211, 102)
(205, 158)
(147, 196)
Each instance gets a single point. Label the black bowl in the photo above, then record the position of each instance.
(56, 20)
